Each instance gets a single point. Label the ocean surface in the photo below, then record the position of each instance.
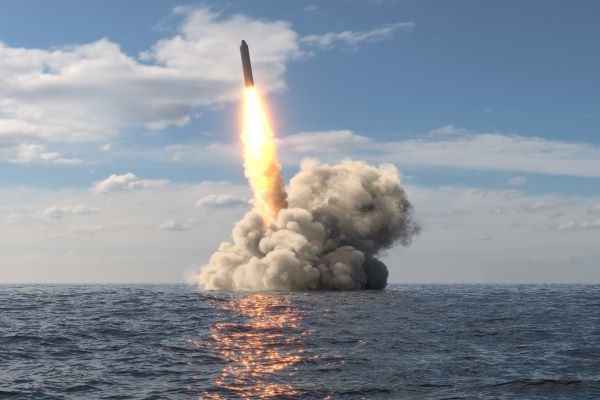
(405, 342)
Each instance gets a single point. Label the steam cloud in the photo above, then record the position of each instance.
(338, 218)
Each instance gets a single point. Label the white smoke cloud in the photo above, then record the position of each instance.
(339, 218)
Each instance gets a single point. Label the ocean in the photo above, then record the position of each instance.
(404, 342)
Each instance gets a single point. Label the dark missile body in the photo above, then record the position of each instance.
(246, 66)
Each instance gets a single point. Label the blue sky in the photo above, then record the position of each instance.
(465, 97)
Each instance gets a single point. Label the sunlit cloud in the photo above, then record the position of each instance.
(37, 154)
(48, 94)
(483, 151)
(125, 182)
(221, 201)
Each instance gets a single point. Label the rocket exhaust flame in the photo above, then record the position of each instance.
(260, 159)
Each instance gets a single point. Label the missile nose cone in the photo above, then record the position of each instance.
(246, 66)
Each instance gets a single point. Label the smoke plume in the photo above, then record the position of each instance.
(339, 217)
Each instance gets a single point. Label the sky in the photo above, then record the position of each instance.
(119, 125)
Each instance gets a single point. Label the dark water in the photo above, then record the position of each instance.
(407, 342)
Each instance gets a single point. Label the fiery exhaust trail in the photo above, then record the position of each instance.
(260, 159)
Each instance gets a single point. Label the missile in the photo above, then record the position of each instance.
(246, 66)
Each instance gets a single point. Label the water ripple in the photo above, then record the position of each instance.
(410, 342)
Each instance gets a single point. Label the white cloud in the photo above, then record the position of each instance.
(173, 226)
(480, 246)
(501, 152)
(594, 209)
(14, 217)
(56, 212)
(49, 94)
(517, 180)
(324, 142)
(355, 38)
(76, 231)
(444, 213)
(578, 225)
(482, 237)
(543, 204)
(125, 182)
(484, 151)
(123, 242)
(206, 48)
(546, 258)
(178, 152)
(120, 243)
(36, 153)
(447, 130)
(221, 201)
(310, 9)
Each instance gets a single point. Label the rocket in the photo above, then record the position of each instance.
(246, 66)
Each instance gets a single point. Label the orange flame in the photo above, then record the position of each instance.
(260, 159)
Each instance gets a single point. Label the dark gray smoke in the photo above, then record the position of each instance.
(338, 219)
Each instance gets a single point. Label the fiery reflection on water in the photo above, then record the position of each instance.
(260, 349)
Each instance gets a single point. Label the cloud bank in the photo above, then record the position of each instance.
(49, 94)
(487, 151)
(130, 247)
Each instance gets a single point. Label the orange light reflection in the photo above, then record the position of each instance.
(259, 351)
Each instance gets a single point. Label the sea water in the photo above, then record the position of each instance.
(404, 342)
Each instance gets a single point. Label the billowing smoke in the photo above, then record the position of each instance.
(339, 217)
